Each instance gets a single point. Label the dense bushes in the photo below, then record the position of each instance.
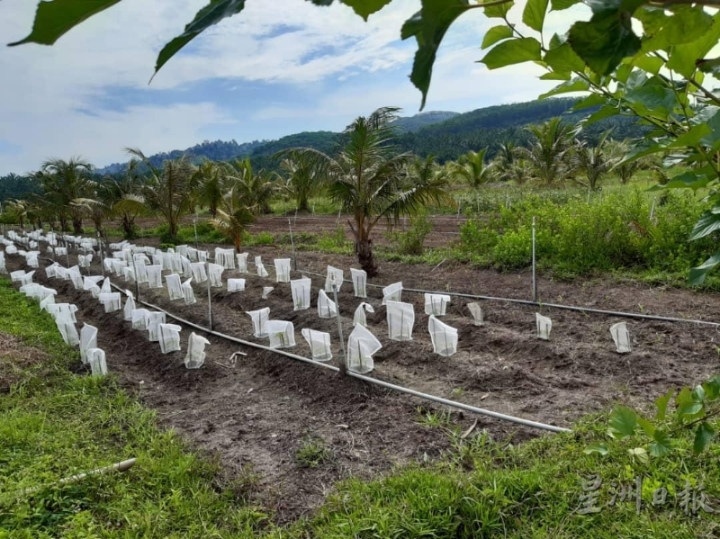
(579, 236)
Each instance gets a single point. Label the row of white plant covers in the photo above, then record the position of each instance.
(400, 316)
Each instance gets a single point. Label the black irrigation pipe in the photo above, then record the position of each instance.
(541, 304)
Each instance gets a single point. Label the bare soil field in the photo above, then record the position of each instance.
(256, 415)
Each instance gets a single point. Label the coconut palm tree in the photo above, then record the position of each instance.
(370, 180)
(169, 191)
(302, 176)
(63, 182)
(548, 156)
(593, 161)
(472, 169)
(233, 214)
(210, 191)
(258, 189)
(625, 169)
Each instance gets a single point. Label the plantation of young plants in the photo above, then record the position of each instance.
(280, 418)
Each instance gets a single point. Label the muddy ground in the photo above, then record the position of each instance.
(256, 415)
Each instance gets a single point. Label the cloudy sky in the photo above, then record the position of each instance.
(278, 68)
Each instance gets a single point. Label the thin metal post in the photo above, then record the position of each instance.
(137, 284)
(534, 265)
(343, 356)
(67, 253)
(210, 318)
(292, 242)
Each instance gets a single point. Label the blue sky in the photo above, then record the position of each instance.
(277, 68)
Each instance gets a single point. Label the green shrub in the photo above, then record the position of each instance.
(412, 242)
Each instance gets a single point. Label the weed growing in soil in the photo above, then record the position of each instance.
(312, 453)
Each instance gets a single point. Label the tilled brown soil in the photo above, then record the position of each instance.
(259, 413)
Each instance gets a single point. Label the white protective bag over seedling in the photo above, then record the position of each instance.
(544, 325)
(334, 277)
(96, 360)
(88, 339)
(326, 307)
(477, 314)
(139, 319)
(90, 282)
(225, 257)
(400, 319)
(153, 325)
(300, 289)
(84, 260)
(319, 342)
(68, 330)
(235, 285)
(266, 291)
(27, 278)
(129, 307)
(16, 276)
(259, 320)
(195, 357)
(174, 287)
(280, 333)
(436, 304)
(112, 301)
(169, 338)
(59, 310)
(392, 292)
(261, 271)
(242, 259)
(215, 272)
(199, 274)
(362, 344)
(51, 269)
(359, 279)
(188, 293)
(76, 277)
(129, 275)
(154, 274)
(118, 267)
(3, 269)
(282, 270)
(621, 336)
(360, 318)
(50, 300)
(444, 338)
(106, 288)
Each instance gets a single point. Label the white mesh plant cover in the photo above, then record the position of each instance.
(235, 285)
(76, 277)
(192, 254)
(436, 304)
(32, 259)
(167, 260)
(182, 250)
(50, 300)
(169, 338)
(282, 270)
(225, 257)
(188, 293)
(108, 264)
(141, 272)
(61, 251)
(118, 266)
(84, 260)
(44, 293)
(543, 325)
(154, 274)
(259, 320)
(199, 274)
(96, 360)
(30, 290)
(319, 342)
(359, 279)
(444, 338)
(359, 318)
(91, 282)
(129, 275)
(392, 292)
(400, 320)
(334, 277)
(11, 250)
(326, 307)
(153, 325)
(477, 314)
(195, 357)
(174, 287)
(50, 270)
(621, 336)
(186, 269)
(61, 273)
(63, 310)
(67, 330)
(362, 344)
(106, 288)
(215, 271)
(111, 301)
(266, 291)
(140, 318)
(202, 256)
(3, 269)
(16, 276)
(176, 263)
(242, 259)
(300, 289)
(157, 259)
(280, 333)
(88, 339)
(27, 278)
(129, 307)
(261, 271)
